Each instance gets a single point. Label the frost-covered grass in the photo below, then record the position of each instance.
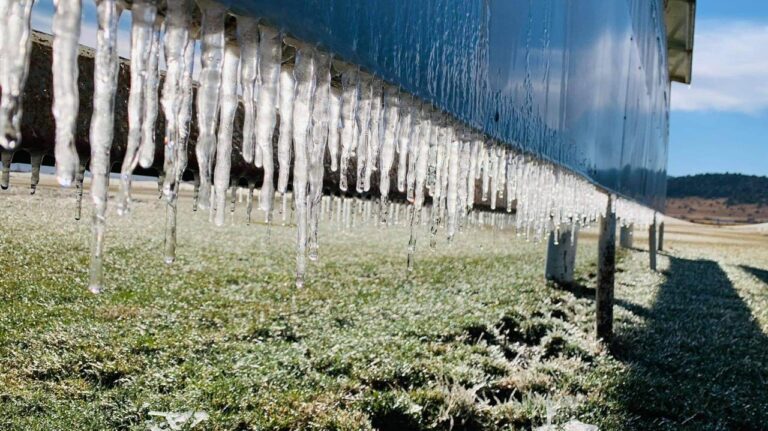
(472, 339)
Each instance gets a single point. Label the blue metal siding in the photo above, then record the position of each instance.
(583, 83)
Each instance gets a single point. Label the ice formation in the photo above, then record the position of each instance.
(66, 32)
(228, 101)
(212, 59)
(102, 130)
(248, 35)
(143, 15)
(270, 49)
(327, 120)
(15, 46)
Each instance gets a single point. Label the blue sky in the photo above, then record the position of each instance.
(720, 122)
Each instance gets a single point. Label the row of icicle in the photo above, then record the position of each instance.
(375, 124)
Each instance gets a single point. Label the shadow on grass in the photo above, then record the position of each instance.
(700, 362)
(761, 274)
(577, 288)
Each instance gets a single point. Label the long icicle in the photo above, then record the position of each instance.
(270, 49)
(287, 92)
(143, 16)
(147, 147)
(404, 141)
(388, 142)
(248, 36)
(365, 99)
(350, 88)
(16, 49)
(176, 40)
(212, 47)
(185, 110)
(302, 110)
(180, 147)
(334, 120)
(452, 195)
(320, 111)
(422, 131)
(228, 102)
(102, 129)
(66, 33)
(374, 137)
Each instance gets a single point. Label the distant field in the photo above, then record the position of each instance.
(473, 339)
(716, 211)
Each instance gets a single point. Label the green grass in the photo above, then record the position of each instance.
(472, 339)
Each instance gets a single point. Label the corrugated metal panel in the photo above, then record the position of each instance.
(583, 83)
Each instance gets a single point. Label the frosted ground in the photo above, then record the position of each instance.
(472, 339)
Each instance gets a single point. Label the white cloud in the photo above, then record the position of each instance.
(730, 69)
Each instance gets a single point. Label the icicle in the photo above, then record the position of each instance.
(391, 117)
(436, 175)
(349, 103)
(147, 147)
(270, 49)
(333, 128)
(404, 141)
(448, 138)
(16, 48)
(498, 174)
(248, 36)
(212, 37)
(287, 91)
(302, 111)
(465, 155)
(422, 159)
(176, 40)
(477, 145)
(101, 133)
(452, 197)
(374, 137)
(143, 18)
(488, 164)
(228, 102)
(364, 127)
(422, 135)
(185, 111)
(320, 112)
(66, 33)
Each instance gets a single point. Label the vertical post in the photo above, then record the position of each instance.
(606, 255)
(661, 236)
(233, 195)
(249, 200)
(79, 178)
(652, 243)
(626, 235)
(6, 157)
(170, 231)
(561, 255)
(35, 160)
(160, 183)
(196, 191)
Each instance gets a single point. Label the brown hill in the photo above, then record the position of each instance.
(716, 211)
